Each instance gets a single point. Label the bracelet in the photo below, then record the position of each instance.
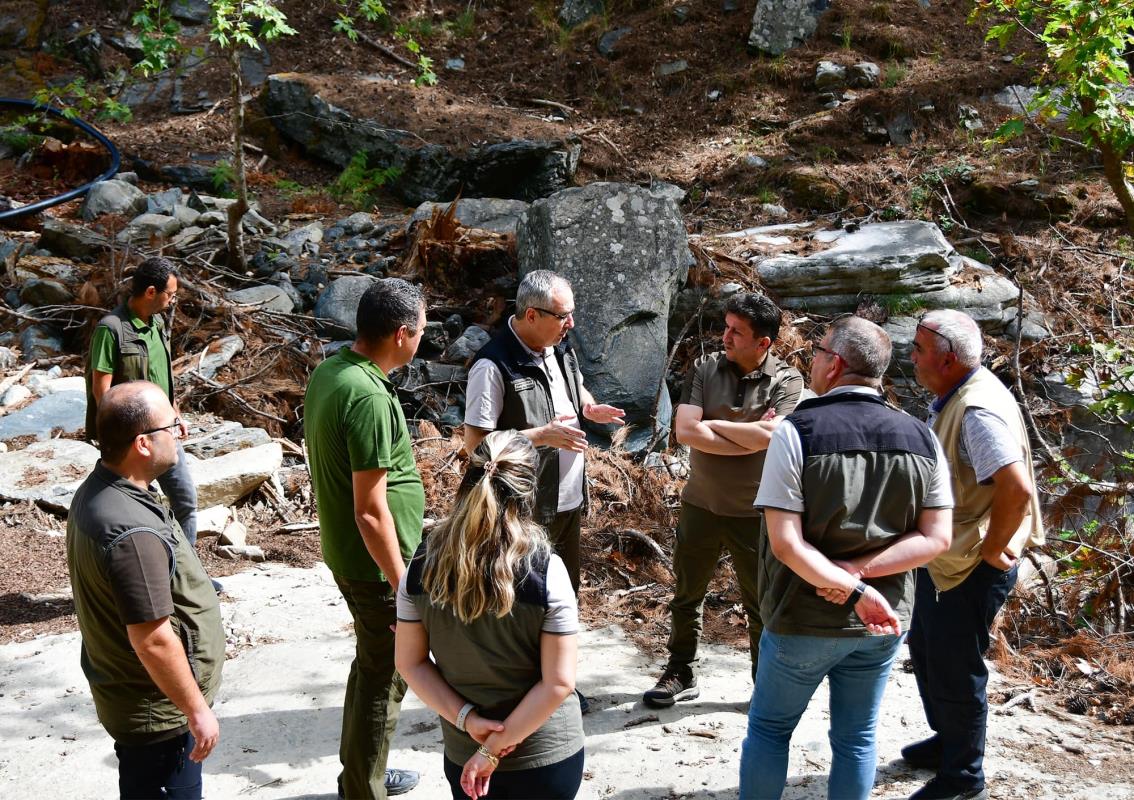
(463, 714)
(493, 760)
(857, 593)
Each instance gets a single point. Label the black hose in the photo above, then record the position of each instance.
(115, 158)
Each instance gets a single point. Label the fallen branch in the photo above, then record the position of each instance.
(641, 721)
(294, 528)
(535, 101)
(640, 538)
(386, 51)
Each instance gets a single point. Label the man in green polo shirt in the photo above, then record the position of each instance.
(131, 343)
(731, 404)
(371, 502)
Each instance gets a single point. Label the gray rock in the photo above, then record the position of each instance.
(15, 395)
(128, 44)
(283, 282)
(356, 224)
(186, 216)
(576, 12)
(127, 177)
(680, 14)
(774, 210)
(42, 292)
(195, 12)
(268, 298)
(609, 39)
(486, 213)
(249, 552)
(211, 218)
(969, 118)
(47, 473)
(63, 410)
(72, 241)
(163, 202)
(213, 520)
(434, 340)
(337, 305)
(900, 128)
(780, 25)
(521, 169)
(455, 64)
(830, 76)
(113, 197)
(755, 162)
(235, 534)
(864, 75)
(146, 227)
(41, 341)
(186, 239)
(13, 30)
(8, 358)
(671, 68)
(225, 479)
(625, 251)
(307, 237)
(218, 353)
(466, 346)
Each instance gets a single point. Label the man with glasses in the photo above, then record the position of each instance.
(996, 517)
(152, 639)
(131, 343)
(731, 404)
(371, 501)
(528, 379)
(855, 495)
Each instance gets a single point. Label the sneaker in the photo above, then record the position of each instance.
(938, 790)
(925, 754)
(400, 781)
(584, 703)
(671, 687)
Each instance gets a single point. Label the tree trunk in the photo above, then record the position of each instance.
(236, 260)
(1115, 173)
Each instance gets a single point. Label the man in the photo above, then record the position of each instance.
(528, 378)
(996, 516)
(855, 495)
(731, 404)
(153, 644)
(131, 343)
(370, 500)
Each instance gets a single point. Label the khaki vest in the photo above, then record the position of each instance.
(973, 502)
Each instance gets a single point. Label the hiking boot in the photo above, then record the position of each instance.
(400, 781)
(671, 687)
(925, 754)
(939, 790)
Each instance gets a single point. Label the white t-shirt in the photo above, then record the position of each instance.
(484, 402)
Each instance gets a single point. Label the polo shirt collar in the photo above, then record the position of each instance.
(540, 354)
(853, 390)
(137, 322)
(769, 368)
(940, 402)
(357, 358)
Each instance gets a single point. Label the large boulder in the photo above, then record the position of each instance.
(73, 241)
(64, 410)
(337, 305)
(515, 168)
(780, 25)
(625, 252)
(227, 438)
(268, 298)
(47, 473)
(225, 479)
(486, 213)
(113, 197)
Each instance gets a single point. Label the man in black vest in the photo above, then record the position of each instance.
(527, 378)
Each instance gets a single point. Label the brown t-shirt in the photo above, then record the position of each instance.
(726, 485)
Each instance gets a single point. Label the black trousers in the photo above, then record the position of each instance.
(949, 635)
(161, 770)
(558, 781)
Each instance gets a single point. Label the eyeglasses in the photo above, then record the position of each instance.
(823, 349)
(560, 317)
(173, 430)
(937, 333)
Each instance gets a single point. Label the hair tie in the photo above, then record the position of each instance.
(490, 468)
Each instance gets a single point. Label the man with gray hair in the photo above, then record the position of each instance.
(855, 495)
(996, 517)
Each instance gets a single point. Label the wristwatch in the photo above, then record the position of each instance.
(857, 593)
(462, 715)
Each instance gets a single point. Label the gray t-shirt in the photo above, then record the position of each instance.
(987, 444)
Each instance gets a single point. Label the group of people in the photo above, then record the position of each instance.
(826, 505)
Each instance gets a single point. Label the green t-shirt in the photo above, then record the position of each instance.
(104, 352)
(353, 422)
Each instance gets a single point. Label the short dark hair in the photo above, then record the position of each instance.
(386, 306)
(760, 312)
(122, 415)
(154, 271)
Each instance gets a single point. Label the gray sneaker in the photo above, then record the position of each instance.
(671, 687)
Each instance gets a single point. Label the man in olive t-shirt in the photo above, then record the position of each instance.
(731, 404)
(371, 502)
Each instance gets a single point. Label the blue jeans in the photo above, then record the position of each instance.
(178, 486)
(161, 770)
(791, 668)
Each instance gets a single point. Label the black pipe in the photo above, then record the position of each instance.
(115, 159)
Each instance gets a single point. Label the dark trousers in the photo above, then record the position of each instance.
(701, 536)
(162, 770)
(949, 635)
(374, 691)
(563, 531)
(558, 781)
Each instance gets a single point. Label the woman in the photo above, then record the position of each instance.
(487, 596)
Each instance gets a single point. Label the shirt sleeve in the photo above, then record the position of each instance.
(940, 494)
(781, 485)
(562, 618)
(138, 567)
(988, 442)
(370, 443)
(785, 397)
(104, 351)
(692, 389)
(407, 609)
(484, 395)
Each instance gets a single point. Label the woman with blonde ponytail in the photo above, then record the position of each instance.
(485, 594)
